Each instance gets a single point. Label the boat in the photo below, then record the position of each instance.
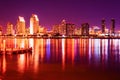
(15, 50)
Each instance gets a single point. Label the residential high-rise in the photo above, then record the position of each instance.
(20, 27)
(9, 29)
(34, 24)
(113, 26)
(60, 28)
(1, 30)
(64, 28)
(103, 26)
(70, 29)
(55, 29)
(85, 29)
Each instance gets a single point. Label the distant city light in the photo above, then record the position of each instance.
(63, 35)
(63, 30)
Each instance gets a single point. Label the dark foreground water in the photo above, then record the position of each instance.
(61, 59)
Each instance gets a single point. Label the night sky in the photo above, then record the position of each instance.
(51, 12)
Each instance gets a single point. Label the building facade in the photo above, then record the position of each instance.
(20, 27)
(85, 29)
(34, 24)
(67, 29)
(70, 29)
(1, 30)
(112, 30)
(9, 30)
(103, 26)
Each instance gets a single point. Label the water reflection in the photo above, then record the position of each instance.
(48, 49)
(21, 63)
(3, 64)
(94, 52)
(63, 53)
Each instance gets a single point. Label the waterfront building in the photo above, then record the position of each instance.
(60, 28)
(64, 28)
(112, 31)
(27, 31)
(55, 29)
(85, 29)
(70, 29)
(77, 31)
(9, 30)
(20, 27)
(103, 26)
(91, 31)
(42, 30)
(97, 30)
(34, 24)
(1, 30)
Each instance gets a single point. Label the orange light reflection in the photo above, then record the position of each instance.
(4, 64)
(42, 49)
(56, 48)
(73, 47)
(21, 63)
(63, 54)
(36, 54)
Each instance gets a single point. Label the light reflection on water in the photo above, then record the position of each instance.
(63, 52)
(21, 63)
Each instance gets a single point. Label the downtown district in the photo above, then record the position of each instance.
(62, 30)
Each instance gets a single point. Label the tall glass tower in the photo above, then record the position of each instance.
(20, 27)
(103, 26)
(34, 24)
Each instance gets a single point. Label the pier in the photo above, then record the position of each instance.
(15, 50)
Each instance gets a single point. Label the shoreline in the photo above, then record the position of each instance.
(61, 37)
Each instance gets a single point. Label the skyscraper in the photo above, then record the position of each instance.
(9, 28)
(112, 26)
(103, 26)
(0, 30)
(62, 27)
(67, 29)
(20, 27)
(85, 29)
(34, 24)
(70, 29)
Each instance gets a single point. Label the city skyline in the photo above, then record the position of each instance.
(63, 28)
(52, 12)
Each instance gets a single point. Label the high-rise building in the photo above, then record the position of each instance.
(10, 30)
(60, 28)
(55, 29)
(70, 29)
(27, 31)
(85, 29)
(77, 31)
(103, 26)
(34, 24)
(20, 27)
(0, 30)
(64, 28)
(113, 26)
